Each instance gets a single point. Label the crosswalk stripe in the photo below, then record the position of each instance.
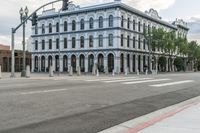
(135, 79)
(172, 83)
(146, 81)
(104, 79)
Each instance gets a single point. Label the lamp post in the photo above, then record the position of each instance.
(23, 17)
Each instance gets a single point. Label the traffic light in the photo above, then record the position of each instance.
(65, 5)
(34, 19)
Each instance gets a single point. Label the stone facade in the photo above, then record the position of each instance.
(109, 36)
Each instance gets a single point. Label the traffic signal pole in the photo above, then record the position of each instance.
(13, 35)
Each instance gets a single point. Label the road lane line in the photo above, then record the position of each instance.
(135, 79)
(40, 92)
(172, 83)
(146, 81)
(105, 79)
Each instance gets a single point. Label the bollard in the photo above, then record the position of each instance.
(70, 71)
(0, 72)
(51, 72)
(97, 72)
(78, 71)
(113, 72)
(138, 72)
(28, 72)
(146, 72)
(94, 70)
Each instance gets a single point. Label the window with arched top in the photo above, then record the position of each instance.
(91, 41)
(65, 26)
(111, 21)
(50, 28)
(73, 25)
(91, 23)
(43, 29)
(82, 40)
(57, 27)
(73, 42)
(82, 24)
(100, 22)
(122, 21)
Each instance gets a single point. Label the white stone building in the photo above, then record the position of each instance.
(109, 36)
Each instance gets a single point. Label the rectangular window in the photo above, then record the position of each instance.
(133, 24)
(122, 21)
(73, 42)
(57, 43)
(139, 25)
(43, 44)
(144, 44)
(128, 23)
(100, 40)
(128, 41)
(110, 40)
(50, 44)
(122, 40)
(133, 42)
(65, 43)
(139, 43)
(36, 45)
(91, 41)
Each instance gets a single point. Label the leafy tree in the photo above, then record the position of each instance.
(162, 63)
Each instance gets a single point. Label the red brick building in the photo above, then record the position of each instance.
(5, 59)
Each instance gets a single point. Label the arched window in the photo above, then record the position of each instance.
(57, 27)
(122, 21)
(43, 29)
(50, 43)
(73, 25)
(82, 42)
(111, 21)
(101, 22)
(100, 40)
(50, 28)
(73, 42)
(65, 26)
(110, 40)
(82, 26)
(91, 41)
(128, 23)
(91, 23)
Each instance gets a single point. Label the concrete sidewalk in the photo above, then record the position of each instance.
(180, 118)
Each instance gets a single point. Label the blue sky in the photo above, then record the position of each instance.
(169, 10)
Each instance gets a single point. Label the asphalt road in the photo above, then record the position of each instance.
(85, 105)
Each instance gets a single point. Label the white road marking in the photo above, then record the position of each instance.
(39, 92)
(135, 79)
(172, 83)
(104, 79)
(146, 81)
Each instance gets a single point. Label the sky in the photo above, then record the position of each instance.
(169, 10)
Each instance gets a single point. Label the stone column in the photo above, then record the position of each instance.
(39, 64)
(53, 63)
(125, 62)
(86, 64)
(61, 63)
(77, 63)
(141, 63)
(33, 64)
(131, 63)
(69, 63)
(117, 64)
(136, 63)
(46, 64)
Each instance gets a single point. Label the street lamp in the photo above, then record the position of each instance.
(23, 17)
